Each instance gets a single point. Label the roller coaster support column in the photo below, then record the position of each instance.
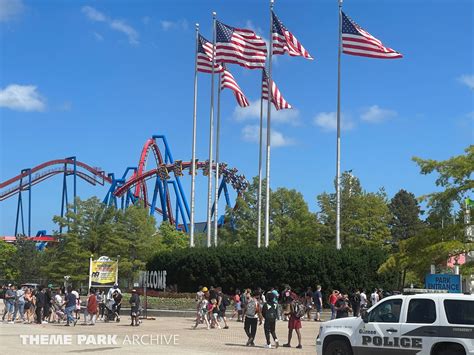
(29, 202)
(178, 180)
(64, 201)
(19, 210)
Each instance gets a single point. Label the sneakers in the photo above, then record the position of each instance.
(299, 347)
(268, 346)
(277, 344)
(287, 345)
(226, 327)
(44, 322)
(11, 322)
(75, 321)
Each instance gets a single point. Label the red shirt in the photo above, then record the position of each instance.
(92, 304)
(332, 299)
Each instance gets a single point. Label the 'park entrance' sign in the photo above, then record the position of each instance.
(449, 282)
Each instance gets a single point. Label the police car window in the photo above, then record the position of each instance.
(459, 311)
(421, 311)
(386, 312)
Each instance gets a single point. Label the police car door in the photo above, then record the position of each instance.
(381, 333)
(421, 323)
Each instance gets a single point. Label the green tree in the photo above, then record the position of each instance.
(405, 222)
(364, 215)
(290, 219)
(8, 270)
(100, 230)
(455, 176)
(444, 236)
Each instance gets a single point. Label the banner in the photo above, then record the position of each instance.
(103, 272)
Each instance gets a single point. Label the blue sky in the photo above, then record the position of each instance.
(95, 79)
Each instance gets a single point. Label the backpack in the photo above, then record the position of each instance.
(271, 313)
(225, 300)
(251, 308)
(298, 310)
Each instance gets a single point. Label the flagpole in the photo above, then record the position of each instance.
(211, 133)
(193, 160)
(216, 187)
(267, 178)
(338, 149)
(259, 197)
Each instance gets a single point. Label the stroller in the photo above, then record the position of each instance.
(111, 314)
(60, 314)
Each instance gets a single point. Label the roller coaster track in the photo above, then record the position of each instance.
(39, 173)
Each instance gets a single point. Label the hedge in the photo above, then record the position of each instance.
(242, 267)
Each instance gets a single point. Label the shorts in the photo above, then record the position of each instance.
(294, 323)
(318, 308)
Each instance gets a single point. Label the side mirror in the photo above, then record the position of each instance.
(365, 316)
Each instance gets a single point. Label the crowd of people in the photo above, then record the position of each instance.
(42, 305)
(259, 307)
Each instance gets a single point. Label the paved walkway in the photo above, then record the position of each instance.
(172, 335)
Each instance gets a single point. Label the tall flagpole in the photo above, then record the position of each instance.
(270, 97)
(259, 197)
(193, 160)
(216, 187)
(338, 149)
(211, 134)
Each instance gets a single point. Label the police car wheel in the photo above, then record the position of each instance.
(450, 350)
(338, 347)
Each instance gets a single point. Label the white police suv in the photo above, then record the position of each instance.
(432, 324)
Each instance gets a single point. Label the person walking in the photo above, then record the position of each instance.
(10, 296)
(70, 303)
(20, 304)
(40, 302)
(237, 306)
(355, 303)
(253, 315)
(363, 301)
(374, 297)
(92, 307)
(308, 302)
(270, 315)
(30, 305)
(294, 323)
(135, 308)
(222, 303)
(318, 302)
(101, 301)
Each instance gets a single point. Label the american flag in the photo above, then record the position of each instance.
(228, 81)
(277, 98)
(204, 57)
(285, 42)
(357, 41)
(240, 46)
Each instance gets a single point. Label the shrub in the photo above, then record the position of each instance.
(241, 267)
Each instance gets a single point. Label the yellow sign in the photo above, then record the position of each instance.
(103, 273)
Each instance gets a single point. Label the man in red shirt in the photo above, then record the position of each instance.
(332, 301)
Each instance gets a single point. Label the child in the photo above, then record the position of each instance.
(135, 308)
(202, 316)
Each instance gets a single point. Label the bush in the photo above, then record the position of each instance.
(241, 267)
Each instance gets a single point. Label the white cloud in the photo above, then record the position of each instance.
(9, 9)
(375, 114)
(251, 133)
(98, 37)
(94, 14)
(167, 25)
(252, 112)
(328, 121)
(22, 98)
(467, 80)
(116, 25)
(121, 26)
